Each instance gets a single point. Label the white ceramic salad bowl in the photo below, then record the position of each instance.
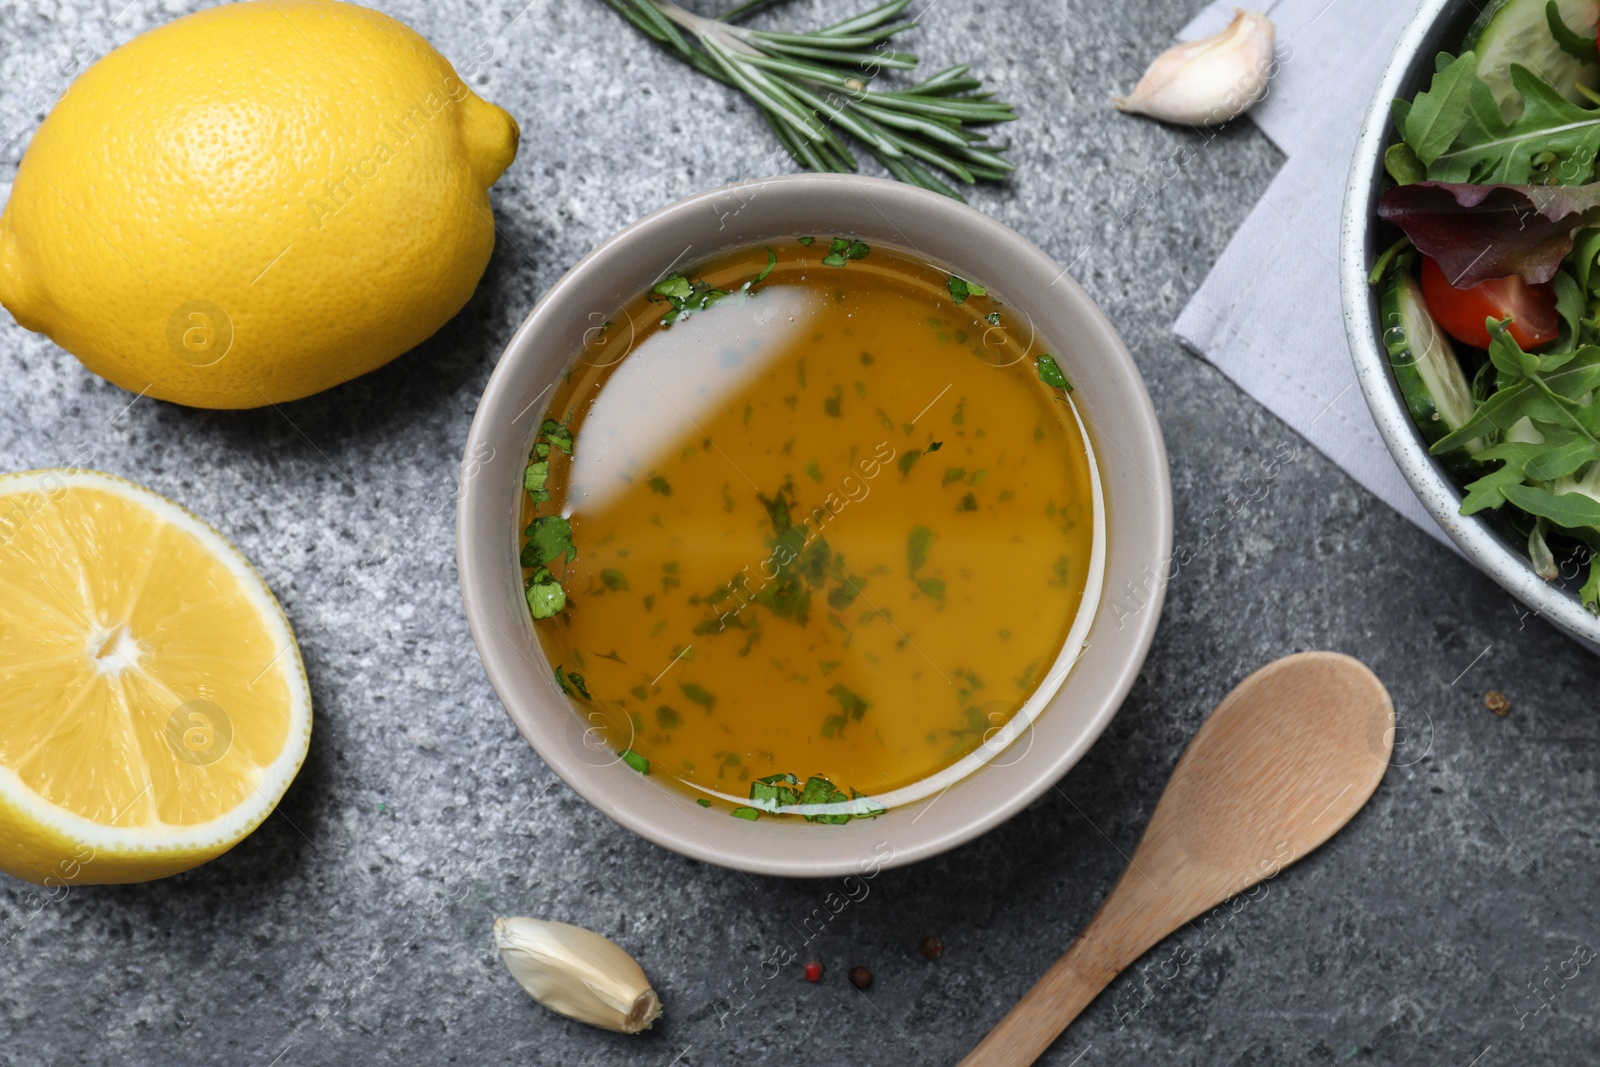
(1439, 25)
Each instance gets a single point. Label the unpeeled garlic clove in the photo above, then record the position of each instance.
(1207, 81)
(577, 973)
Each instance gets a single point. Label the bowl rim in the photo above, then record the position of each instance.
(1485, 547)
(481, 521)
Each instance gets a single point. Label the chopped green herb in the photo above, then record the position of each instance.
(908, 459)
(833, 259)
(772, 261)
(968, 503)
(698, 695)
(813, 471)
(849, 702)
(546, 598)
(614, 579)
(660, 485)
(667, 718)
(634, 760)
(978, 477)
(934, 446)
(556, 434)
(993, 318)
(703, 802)
(845, 595)
(807, 241)
(857, 250)
(550, 536)
(686, 297)
(933, 587)
(960, 289)
(573, 681)
(534, 477)
(749, 814)
(1050, 372)
(917, 546)
(953, 474)
(833, 404)
(640, 691)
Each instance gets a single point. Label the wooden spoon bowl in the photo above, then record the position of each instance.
(1284, 761)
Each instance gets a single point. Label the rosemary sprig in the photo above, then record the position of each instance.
(809, 86)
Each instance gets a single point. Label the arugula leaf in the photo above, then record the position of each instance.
(1572, 510)
(1430, 122)
(1552, 138)
(550, 537)
(1582, 48)
(1403, 165)
(1590, 593)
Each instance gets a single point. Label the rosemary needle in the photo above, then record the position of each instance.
(811, 86)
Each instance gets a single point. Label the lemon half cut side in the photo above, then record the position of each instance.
(153, 704)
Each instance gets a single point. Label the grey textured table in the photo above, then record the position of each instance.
(1453, 922)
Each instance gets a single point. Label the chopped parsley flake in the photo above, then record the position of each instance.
(808, 241)
(908, 459)
(556, 434)
(968, 503)
(953, 474)
(703, 802)
(634, 760)
(546, 598)
(572, 682)
(533, 480)
(667, 718)
(1050, 372)
(960, 289)
(932, 587)
(614, 580)
(686, 297)
(917, 548)
(699, 695)
(660, 485)
(748, 814)
(550, 537)
(934, 446)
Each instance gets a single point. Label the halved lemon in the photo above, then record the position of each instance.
(153, 706)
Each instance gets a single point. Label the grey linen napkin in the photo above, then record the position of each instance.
(1268, 315)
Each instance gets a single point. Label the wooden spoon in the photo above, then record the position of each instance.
(1287, 759)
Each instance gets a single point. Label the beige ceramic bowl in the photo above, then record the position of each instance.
(1103, 654)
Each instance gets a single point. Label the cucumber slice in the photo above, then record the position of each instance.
(1425, 365)
(1518, 31)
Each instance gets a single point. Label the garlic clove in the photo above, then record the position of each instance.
(577, 973)
(1208, 81)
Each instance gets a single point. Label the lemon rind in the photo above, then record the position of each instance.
(274, 779)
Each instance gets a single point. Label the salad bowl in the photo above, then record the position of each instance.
(1488, 541)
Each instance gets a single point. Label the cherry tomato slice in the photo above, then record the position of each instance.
(1531, 308)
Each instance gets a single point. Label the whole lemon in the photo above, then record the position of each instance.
(254, 203)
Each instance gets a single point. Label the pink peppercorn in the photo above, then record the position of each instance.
(813, 971)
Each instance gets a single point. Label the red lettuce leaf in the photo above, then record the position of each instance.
(1481, 232)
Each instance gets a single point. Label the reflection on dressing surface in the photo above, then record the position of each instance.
(834, 525)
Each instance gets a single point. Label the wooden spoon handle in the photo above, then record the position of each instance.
(1069, 986)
